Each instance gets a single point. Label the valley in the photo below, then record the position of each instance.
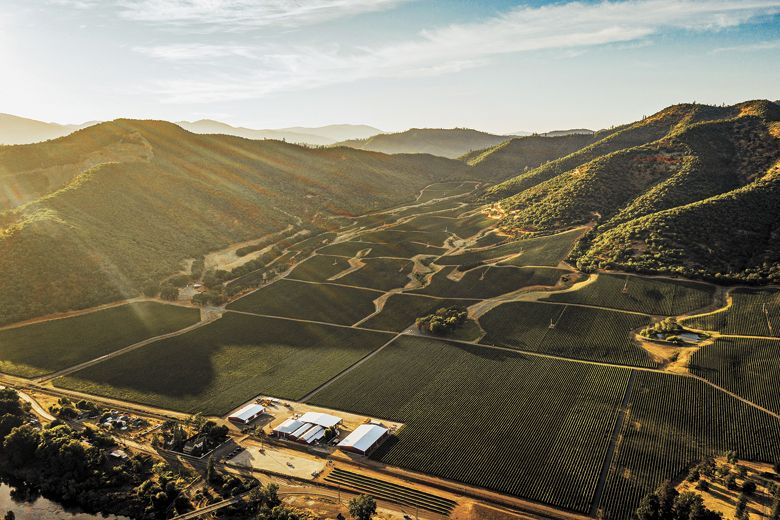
(545, 403)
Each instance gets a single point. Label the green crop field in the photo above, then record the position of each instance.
(753, 312)
(309, 301)
(673, 423)
(397, 250)
(513, 423)
(41, 348)
(579, 332)
(319, 268)
(748, 367)
(490, 281)
(549, 250)
(221, 365)
(380, 273)
(635, 293)
(401, 310)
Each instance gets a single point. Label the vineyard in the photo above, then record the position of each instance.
(579, 332)
(384, 490)
(380, 273)
(674, 422)
(463, 227)
(406, 249)
(549, 250)
(753, 313)
(490, 281)
(40, 348)
(748, 367)
(516, 424)
(316, 302)
(318, 268)
(633, 293)
(221, 365)
(401, 310)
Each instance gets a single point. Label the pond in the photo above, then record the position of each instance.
(35, 507)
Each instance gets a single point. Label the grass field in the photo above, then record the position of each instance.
(748, 367)
(308, 301)
(217, 367)
(550, 250)
(579, 332)
(677, 421)
(635, 293)
(401, 310)
(448, 189)
(397, 250)
(490, 281)
(380, 273)
(45, 347)
(318, 268)
(521, 425)
(753, 312)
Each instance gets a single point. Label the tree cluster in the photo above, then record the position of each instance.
(442, 322)
(666, 503)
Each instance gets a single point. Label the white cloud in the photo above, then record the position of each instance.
(570, 27)
(750, 47)
(196, 51)
(238, 14)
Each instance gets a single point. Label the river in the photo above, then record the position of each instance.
(39, 508)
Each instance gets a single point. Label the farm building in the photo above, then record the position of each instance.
(320, 419)
(247, 414)
(308, 428)
(364, 439)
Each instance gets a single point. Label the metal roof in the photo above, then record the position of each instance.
(314, 433)
(300, 431)
(364, 437)
(288, 426)
(248, 412)
(321, 419)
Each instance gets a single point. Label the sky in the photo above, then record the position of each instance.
(500, 66)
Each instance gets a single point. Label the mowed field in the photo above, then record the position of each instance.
(217, 367)
(401, 310)
(579, 332)
(489, 281)
(633, 293)
(673, 423)
(547, 251)
(753, 312)
(45, 347)
(318, 268)
(748, 367)
(513, 423)
(309, 301)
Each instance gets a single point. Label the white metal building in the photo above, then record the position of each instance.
(320, 419)
(365, 438)
(247, 414)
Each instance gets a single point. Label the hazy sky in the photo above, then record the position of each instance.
(497, 65)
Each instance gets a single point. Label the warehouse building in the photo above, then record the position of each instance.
(364, 439)
(247, 414)
(308, 428)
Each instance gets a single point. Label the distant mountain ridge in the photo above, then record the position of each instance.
(445, 142)
(21, 130)
(319, 136)
(691, 190)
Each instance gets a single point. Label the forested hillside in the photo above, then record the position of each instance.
(687, 191)
(445, 142)
(94, 216)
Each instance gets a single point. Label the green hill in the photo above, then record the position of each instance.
(94, 216)
(445, 142)
(695, 201)
(518, 155)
